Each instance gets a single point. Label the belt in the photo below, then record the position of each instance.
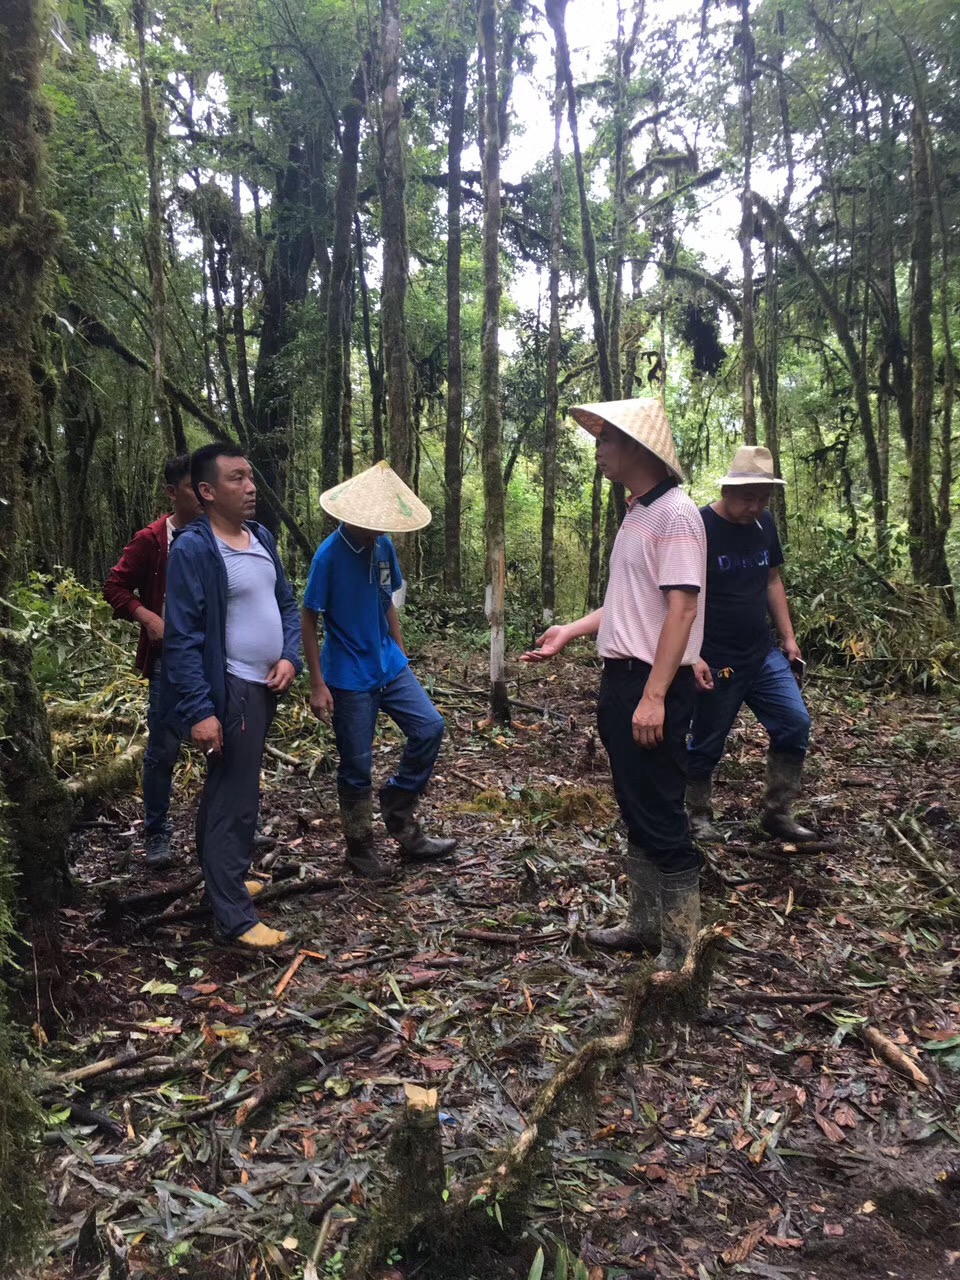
(625, 664)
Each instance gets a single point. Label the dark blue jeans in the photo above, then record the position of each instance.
(163, 747)
(772, 694)
(355, 721)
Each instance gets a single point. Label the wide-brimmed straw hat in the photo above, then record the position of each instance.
(376, 499)
(643, 420)
(752, 464)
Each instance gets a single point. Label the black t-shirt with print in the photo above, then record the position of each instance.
(736, 629)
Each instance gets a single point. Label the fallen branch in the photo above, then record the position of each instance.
(284, 757)
(921, 861)
(119, 773)
(788, 997)
(892, 1054)
(294, 1069)
(312, 884)
(115, 908)
(510, 939)
(103, 1067)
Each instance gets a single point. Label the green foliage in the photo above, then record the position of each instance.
(847, 614)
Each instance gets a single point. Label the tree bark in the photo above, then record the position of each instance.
(374, 358)
(153, 241)
(393, 293)
(749, 355)
(926, 542)
(492, 439)
(556, 11)
(453, 431)
(338, 294)
(548, 566)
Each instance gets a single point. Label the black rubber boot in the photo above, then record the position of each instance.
(699, 804)
(399, 817)
(679, 917)
(784, 774)
(641, 929)
(356, 815)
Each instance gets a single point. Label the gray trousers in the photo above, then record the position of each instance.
(227, 813)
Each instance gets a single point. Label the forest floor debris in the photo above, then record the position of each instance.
(783, 1129)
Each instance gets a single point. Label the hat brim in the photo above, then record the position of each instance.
(733, 482)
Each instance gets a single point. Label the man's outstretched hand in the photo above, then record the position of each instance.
(548, 645)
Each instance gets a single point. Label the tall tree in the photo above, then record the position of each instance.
(453, 431)
(339, 289)
(747, 219)
(34, 808)
(548, 566)
(392, 181)
(492, 439)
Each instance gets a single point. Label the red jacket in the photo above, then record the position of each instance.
(140, 578)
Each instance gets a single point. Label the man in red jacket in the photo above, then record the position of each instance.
(135, 589)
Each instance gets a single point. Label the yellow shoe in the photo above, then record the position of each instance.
(261, 938)
(253, 887)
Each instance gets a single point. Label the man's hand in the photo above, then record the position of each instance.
(208, 736)
(648, 722)
(321, 703)
(791, 651)
(548, 645)
(281, 675)
(703, 676)
(151, 622)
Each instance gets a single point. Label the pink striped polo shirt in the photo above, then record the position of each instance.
(661, 544)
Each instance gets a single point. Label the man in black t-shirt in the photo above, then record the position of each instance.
(738, 660)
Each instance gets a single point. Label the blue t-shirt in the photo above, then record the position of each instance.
(736, 628)
(353, 589)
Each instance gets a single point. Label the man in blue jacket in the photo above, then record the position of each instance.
(231, 647)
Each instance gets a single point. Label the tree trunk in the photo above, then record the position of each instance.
(34, 807)
(492, 438)
(393, 293)
(926, 545)
(374, 358)
(453, 431)
(548, 566)
(153, 241)
(556, 10)
(338, 295)
(749, 357)
(285, 279)
(596, 536)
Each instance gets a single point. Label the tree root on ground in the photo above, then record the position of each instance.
(444, 1227)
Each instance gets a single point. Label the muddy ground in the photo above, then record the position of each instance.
(757, 1134)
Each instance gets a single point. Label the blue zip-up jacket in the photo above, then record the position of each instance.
(195, 625)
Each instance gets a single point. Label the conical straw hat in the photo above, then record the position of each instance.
(376, 499)
(642, 420)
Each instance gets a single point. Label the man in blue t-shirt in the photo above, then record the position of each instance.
(738, 660)
(364, 669)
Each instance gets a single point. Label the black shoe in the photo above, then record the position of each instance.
(158, 854)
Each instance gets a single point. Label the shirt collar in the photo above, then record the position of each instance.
(341, 529)
(650, 497)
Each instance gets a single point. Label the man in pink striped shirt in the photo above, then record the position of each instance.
(649, 632)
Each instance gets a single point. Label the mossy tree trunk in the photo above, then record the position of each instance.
(34, 806)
